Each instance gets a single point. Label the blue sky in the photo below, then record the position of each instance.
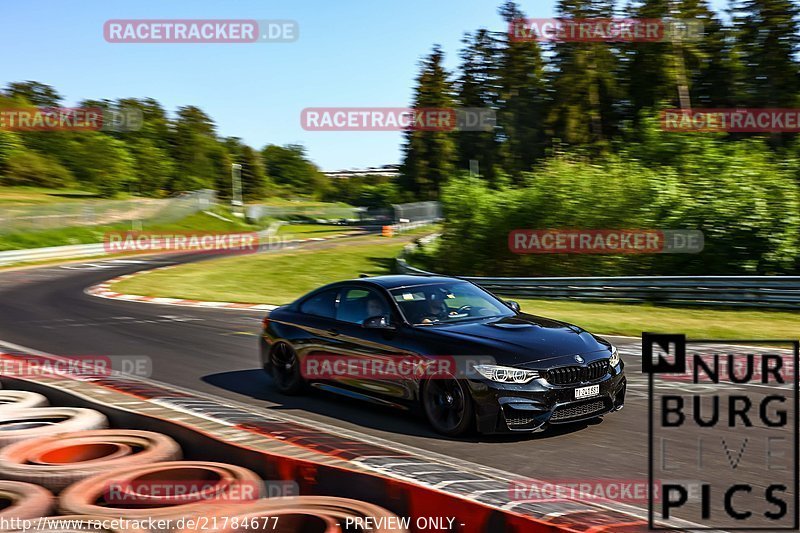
(356, 53)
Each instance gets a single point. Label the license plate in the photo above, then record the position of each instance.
(587, 392)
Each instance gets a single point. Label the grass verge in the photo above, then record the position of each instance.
(695, 322)
(274, 278)
(281, 277)
(94, 234)
(15, 196)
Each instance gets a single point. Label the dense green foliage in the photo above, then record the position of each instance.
(164, 156)
(745, 201)
(579, 145)
(365, 191)
(291, 170)
(588, 97)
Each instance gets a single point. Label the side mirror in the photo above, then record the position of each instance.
(513, 305)
(377, 322)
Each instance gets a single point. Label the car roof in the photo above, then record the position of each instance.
(398, 281)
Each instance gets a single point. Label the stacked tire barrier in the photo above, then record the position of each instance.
(56, 462)
(62, 469)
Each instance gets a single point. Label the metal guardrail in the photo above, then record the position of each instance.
(11, 257)
(77, 251)
(743, 291)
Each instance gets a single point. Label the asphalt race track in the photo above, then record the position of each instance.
(215, 351)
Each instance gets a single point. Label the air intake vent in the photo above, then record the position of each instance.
(568, 375)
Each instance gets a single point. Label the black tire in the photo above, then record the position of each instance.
(448, 406)
(285, 369)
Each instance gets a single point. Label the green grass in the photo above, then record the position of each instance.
(695, 322)
(94, 234)
(279, 278)
(39, 195)
(274, 278)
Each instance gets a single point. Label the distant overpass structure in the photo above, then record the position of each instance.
(387, 171)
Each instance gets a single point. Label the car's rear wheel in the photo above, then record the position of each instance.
(448, 406)
(286, 369)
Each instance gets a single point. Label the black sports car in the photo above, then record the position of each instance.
(466, 358)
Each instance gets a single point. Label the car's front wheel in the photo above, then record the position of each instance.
(286, 369)
(448, 406)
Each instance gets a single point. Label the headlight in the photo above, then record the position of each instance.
(614, 359)
(506, 374)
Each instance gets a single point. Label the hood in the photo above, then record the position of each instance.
(524, 339)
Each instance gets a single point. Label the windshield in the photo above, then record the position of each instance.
(445, 303)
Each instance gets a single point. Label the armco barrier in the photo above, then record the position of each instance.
(52, 252)
(75, 251)
(743, 291)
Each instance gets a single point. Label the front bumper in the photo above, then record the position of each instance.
(502, 407)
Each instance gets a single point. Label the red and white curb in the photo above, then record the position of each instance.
(103, 290)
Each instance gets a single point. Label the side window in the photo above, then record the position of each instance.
(359, 304)
(322, 304)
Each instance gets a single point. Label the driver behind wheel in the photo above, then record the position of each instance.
(437, 310)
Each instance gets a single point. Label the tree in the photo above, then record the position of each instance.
(768, 36)
(155, 123)
(585, 108)
(38, 94)
(699, 71)
(478, 87)
(153, 167)
(288, 167)
(193, 147)
(101, 163)
(9, 145)
(26, 167)
(429, 156)
(521, 99)
(254, 179)
(22, 96)
(149, 144)
(713, 63)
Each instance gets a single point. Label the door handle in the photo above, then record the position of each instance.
(333, 332)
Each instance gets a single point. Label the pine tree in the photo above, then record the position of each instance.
(768, 36)
(429, 156)
(585, 90)
(478, 87)
(521, 99)
(712, 64)
(698, 72)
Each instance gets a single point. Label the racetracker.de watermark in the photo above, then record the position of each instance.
(593, 30)
(125, 492)
(211, 243)
(617, 490)
(398, 119)
(605, 241)
(35, 366)
(741, 120)
(70, 119)
(200, 31)
(392, 367)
